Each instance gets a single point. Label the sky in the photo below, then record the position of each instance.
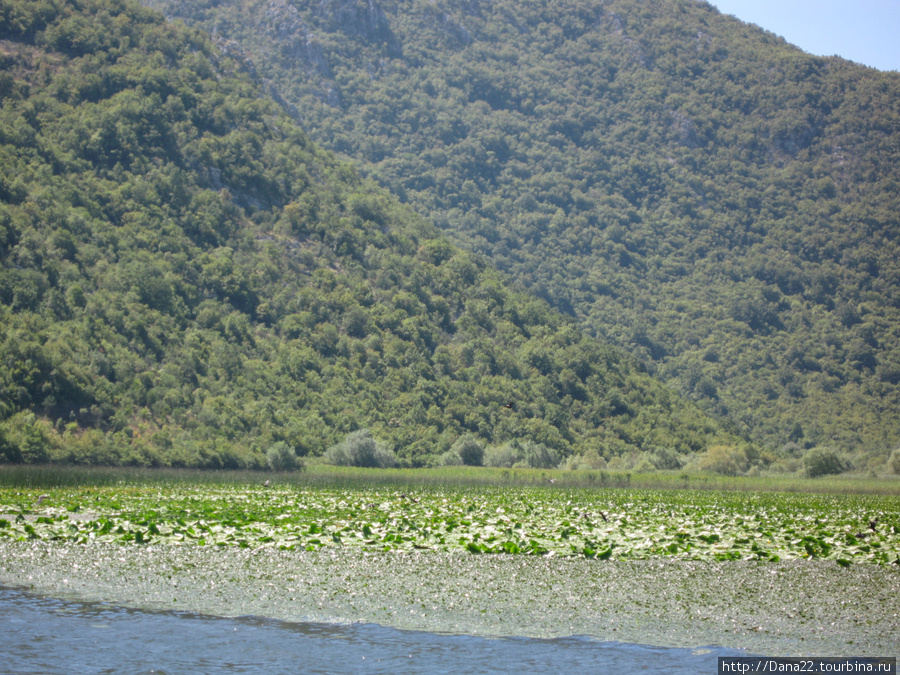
(864, 31)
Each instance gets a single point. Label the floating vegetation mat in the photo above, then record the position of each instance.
(770, 573)
(594, 524)
(797, 607)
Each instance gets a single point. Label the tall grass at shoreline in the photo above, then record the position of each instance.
(56, 475)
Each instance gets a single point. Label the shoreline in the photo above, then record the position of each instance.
(775, 609)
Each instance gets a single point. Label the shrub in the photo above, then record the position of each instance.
(822, 462)
(360, 449)
(665, 459)
(728, 460)
(469, 450)
(588, 461)
(786, 465)
(791, 450)
(539, 456)
(502, 456)
(449, 458)
(523, 454)
(644, 464)
(624, 461)
(24, 438)
(282, 457)
(894, 461)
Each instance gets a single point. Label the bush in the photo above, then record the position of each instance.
(728, 460)
(282, 457)
(502, 456)
(822, 462)
(624, 461)
(786, 465)
(539, 456)
(589, 461)
(360, 449)
(449, 458)
(644, 464)
(24, 438)
(469, 450)
(665, 459)
(894, 461)
(524, 454)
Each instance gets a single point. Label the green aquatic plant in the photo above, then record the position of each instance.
(592, 523)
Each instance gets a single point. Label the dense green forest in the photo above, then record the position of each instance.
(689, 187)
(187, 280)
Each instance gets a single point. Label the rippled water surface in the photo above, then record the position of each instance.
(46, 635)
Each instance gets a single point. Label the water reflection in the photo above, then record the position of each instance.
(48, 635)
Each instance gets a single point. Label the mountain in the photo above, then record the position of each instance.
(188, 280)
(689, 187)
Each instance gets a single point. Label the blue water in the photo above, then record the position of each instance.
(46, 635)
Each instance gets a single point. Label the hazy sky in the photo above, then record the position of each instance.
(865, 31)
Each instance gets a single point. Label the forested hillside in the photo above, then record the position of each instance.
(187, 280)
(691, 188)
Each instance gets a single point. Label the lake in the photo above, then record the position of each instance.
(50, 635)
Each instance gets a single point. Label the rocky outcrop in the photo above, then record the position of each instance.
(451, 33)
(362, 19)
(282, 22)
(685, 130)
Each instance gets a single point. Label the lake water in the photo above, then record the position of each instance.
(48, 635)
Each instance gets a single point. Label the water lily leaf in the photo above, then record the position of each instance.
(511, 547)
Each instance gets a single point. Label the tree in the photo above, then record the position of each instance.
(469, 450)
(665, 459)
(23, 438)
(539, 456)
(502, 456)
(361, 449)
(823, 462)
(725, 459)
(894, 462)
(282, 457)
(590, 460)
